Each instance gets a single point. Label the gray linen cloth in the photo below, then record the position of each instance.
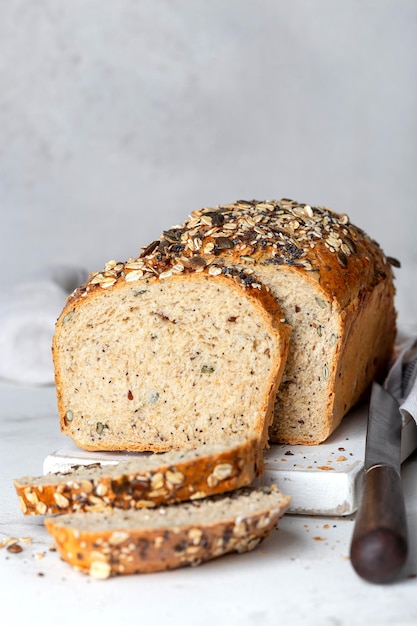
(28, 312)
(401, 380)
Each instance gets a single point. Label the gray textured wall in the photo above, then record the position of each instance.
(117, 118)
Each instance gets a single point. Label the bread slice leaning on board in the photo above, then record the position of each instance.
(144, 482)
(115, 541)
(163, 351)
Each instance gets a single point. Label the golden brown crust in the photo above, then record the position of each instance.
(315, 240)
(120, 550)
(133, 485)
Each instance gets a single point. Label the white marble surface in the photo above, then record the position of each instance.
(300, 575)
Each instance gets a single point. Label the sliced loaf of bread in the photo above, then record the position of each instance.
(161, 352)
(114, 541)
(143, 482)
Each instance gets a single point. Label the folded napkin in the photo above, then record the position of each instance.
(401, 381)
(28, 312)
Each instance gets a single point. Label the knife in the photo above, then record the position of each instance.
(379, 543)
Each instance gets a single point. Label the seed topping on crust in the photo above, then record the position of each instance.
(286, 229)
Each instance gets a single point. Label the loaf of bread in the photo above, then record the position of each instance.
(147, 481)
(151, 358)
(162, 351)
(114, 541)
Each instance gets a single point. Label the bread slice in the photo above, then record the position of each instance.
(161, 359)
(334, 285)
(114, 541)
(148, 481)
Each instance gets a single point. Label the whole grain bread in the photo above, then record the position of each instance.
(333, 283)
(113, 541)
(148, 359)
(143, 482)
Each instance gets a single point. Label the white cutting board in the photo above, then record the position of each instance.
(321, 480)
(327, 479)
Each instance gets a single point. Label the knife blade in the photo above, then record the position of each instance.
(379, 543)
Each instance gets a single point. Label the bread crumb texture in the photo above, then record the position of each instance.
(175, 364)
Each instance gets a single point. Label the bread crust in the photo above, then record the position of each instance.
(143, 483)
(332, 252)
(130, 550)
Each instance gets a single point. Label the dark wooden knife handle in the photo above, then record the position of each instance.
(379, 543)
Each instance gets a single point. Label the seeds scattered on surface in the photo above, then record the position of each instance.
(8, 541)
(14, 548)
